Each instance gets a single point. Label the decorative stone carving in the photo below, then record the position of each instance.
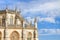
(14, 36)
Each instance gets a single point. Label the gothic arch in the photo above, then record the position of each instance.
(29, 36)
(14, 36)
(0, 35)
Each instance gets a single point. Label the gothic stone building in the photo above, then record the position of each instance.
(14, 27)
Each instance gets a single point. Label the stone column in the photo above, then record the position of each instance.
(5, 30)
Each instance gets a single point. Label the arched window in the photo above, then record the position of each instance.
(18, 22)
(14, 36)
(29, 36)
(0, 36)
(11, 20)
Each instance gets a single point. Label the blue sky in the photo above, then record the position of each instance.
(46, 11)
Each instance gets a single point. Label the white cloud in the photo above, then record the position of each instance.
(42, 7)
(49, 32)
(47, 19)
(39, 19)
(49, 9)
(33, 7)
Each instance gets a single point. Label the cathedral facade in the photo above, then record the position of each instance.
(14, 27)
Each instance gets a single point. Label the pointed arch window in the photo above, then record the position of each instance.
(14, 36)
(29, 36)
(18, 22)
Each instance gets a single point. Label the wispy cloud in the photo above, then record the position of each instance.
(39, 19)
(49, 32)
(47, 19)
(48, 8)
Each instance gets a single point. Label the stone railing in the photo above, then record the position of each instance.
(14, 26)
(11, 26)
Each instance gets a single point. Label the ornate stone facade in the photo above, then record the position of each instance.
(14, 27)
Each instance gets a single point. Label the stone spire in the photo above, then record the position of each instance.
(6, 15)
(6, 8)
(35, 22)
(15, 9)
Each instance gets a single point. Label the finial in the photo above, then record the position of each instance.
(30, 23)
(15, 8)
(35, 23)
(35, 20)
(6, 8)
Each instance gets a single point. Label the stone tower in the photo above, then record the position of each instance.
(14, 27)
